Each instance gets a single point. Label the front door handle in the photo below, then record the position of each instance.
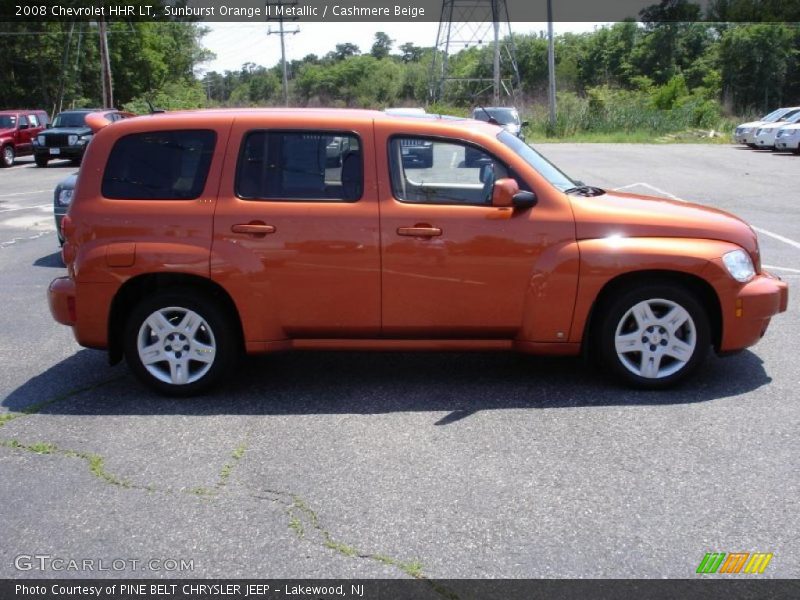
(258, 229)
(419, 231)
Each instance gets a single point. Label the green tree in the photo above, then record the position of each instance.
(382, 46)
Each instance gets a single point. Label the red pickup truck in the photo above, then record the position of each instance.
(17, 130)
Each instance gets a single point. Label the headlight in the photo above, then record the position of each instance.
(40, 139)
(72, 140)
(85, 139)
(758, 132)
(739, 265)
(746, 129)
(64, 197)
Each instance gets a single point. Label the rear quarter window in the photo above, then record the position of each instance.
(159, 165)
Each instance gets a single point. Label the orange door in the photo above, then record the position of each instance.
(453, 265)
(296, 227)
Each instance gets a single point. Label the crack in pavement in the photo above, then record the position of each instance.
(302, 519)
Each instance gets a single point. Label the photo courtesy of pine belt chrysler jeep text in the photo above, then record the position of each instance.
(195, 236)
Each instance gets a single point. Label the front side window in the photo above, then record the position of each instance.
(442, 172)
(300, 165)
(164, 165)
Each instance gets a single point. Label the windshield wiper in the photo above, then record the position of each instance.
(585, 190)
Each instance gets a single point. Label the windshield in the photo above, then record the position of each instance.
(543, 166)
(504, 116)
(791, 117)
(774, 115)
(70, 120)
(8, 121)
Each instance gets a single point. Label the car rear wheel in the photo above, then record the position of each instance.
(41, 161)
(8, 156)
(179, 343)
(654, 336)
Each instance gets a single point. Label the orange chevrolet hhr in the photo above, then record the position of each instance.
(195, 236)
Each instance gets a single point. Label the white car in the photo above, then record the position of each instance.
(746, 132)
(765, 134)
(788, 138)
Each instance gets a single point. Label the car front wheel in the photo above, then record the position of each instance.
(41, 161)
(179, 344)
(8, 156)
(654, 336)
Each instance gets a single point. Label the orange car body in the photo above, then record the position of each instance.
(380, 273)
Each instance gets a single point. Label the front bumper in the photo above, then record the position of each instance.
(747, 313)
(791, 143)
(71, 152)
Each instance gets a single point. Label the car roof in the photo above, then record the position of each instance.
(328, 117)
(80, 110)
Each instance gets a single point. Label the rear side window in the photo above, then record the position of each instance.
(300, 165)
(163, 165)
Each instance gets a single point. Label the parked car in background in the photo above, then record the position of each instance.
(505, 116)
(416, 153)
(18, 128)
(765, 134)
(69, 135)
(746, 132)
(205, 234)
(62, 198)
(788, 138)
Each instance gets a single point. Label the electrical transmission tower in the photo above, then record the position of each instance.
(473, 23)
(282, 32)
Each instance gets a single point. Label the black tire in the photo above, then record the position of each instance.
(216, 330)
(76, 162)
(41, 161)
(8, 156)
(667, 356)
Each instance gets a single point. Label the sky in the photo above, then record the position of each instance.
(238, 43)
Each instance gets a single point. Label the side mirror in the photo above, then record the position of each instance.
(48, 126)
(503, 192)
(524, 124)
(24, 126)
(524, 200)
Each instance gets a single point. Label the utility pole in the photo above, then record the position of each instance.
(105, 66)
(551, 67)
(282, 32)
(64, 64)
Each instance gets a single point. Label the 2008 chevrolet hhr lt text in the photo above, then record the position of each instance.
(195, 236)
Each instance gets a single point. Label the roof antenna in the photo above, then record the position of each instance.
(153, 109)
(490, 118)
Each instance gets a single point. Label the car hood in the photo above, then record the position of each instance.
(774, 125)
(751, 124)
(632, 215)
(67, 131)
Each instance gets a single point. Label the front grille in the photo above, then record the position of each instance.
(55, 140)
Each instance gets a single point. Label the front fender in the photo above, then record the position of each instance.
(604, 260)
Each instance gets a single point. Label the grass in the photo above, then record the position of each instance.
(631, 137)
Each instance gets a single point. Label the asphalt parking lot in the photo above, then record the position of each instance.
(347, 465)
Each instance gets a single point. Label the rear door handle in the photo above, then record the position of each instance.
(260, 229)
(419, 231)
